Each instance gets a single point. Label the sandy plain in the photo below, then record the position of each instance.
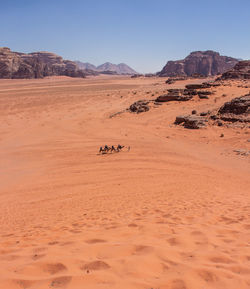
(172, 213)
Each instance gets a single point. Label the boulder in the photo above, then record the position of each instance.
(198, 86)
(191, 121)
(180, 119)
(205, 113)
(139, 106)
(176, 95)
(170, 81)
(173, 97)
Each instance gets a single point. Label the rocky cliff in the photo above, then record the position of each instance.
(204, 63)
(35, 65)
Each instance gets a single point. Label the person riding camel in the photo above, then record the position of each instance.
(119, 147)
(106, 148)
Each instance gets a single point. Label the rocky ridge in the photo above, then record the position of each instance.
(35, 65)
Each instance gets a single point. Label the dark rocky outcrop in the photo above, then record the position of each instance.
(234, 113)
(204, 94)
(176, 95)
(203, 63)
(35, 65)
(170, 81)
(139, 106)
(205, 113)
(198, 86)
(240, 71)
(191, 121)
(211, 84)
(236, 110)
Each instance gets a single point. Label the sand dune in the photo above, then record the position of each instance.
(172, 213)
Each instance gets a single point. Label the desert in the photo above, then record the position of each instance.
(170, 213)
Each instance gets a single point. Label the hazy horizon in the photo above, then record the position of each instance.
(142, 34)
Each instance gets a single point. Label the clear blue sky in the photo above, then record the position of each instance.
(145, 34)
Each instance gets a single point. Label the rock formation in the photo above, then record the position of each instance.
(139, 106)
(35, 65)
(204, 63)
(176, 95)
(203, 85)
(236, 110)
(191, 121)
(240, 71)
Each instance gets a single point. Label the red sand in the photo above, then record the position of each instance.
(173, 213)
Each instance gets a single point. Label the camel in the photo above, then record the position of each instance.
(113, 149)
(119, 147)
(104, 149)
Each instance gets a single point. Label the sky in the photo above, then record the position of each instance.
(144, 34)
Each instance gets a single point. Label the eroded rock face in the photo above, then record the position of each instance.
(35, 65)
(240, 71)
(204, 63)
(238, 109)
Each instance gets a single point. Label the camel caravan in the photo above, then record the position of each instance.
(107, 149)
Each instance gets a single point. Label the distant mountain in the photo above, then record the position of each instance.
(107, 68)
(121, 68)
(35, 65)
(85, 66)
(205, 63)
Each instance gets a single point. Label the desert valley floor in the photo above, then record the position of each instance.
(171, 213)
